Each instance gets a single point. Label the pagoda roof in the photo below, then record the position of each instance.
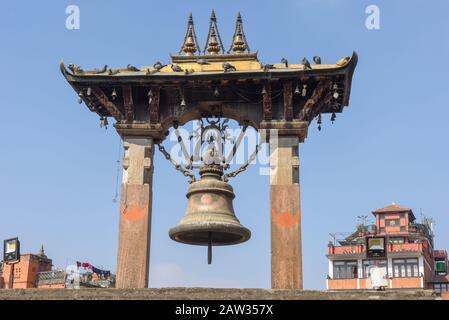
(211, 67)
(394, 207)
(236, 74)
(211, 64)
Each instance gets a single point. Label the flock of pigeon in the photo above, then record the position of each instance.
(229, 67)
(176, 68)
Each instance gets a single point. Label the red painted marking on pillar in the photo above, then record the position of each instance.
(285, 219)
(134, 213)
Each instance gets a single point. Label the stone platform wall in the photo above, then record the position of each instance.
(211, 294)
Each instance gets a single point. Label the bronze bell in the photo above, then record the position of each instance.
(210, 219)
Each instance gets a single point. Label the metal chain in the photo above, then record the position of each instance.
(177, 166)
(245, 165)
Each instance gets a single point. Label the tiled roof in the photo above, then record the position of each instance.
(393, 207)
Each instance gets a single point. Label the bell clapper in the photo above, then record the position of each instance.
(209, 249)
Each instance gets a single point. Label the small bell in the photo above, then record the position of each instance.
(104, 122)
(89, 91)
(183, 103)
(264, 91)
(297, 90)
(333, 117)
(150, 96)
(114, 95)
(80, 95)
(304, 90)
(319, 122)
(216, 92)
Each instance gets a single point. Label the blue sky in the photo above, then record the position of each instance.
(58, 168)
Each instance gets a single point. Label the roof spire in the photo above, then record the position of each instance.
(190, 44)
(239, 43)
(213, 42)
(42, 252)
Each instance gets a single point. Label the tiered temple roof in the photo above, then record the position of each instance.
(306, 89)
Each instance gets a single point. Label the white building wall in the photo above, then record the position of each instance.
(390, 272)
(421, 269)
(360, 268)
(331, 269)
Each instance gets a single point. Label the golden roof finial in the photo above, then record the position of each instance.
(213, 42)
(239, 43)
(190, 44)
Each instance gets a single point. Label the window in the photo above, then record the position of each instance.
(440, 267)
(369, 263)
(405, 268)
(392, 223)
(345, 269)
(381, 230)
(403, 228)
(397, 240)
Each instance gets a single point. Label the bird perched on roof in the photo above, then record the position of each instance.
(189, 71)
(317, 59)
(267, 67)
(228, 67)
(113, 72)
(202, 61)
(306, 64)
(103, 70)
(151, 71)
(158, 65)
(131, 68)
(75, 68)
(176, 68)
(285, 62)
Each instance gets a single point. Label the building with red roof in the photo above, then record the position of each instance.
(396, 252)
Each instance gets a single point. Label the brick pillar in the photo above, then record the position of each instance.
(286, 259)
(135, 213)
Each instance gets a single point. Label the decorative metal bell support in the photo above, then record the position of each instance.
(210, 219)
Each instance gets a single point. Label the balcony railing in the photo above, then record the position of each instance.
(354, 249)
(392, 247)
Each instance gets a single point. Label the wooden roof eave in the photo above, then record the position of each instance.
(141, 77)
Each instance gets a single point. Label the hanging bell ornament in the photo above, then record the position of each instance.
(80, 95)
(114, 95)
(150, 96)
(297, 90)
(104, 122)
(333, 117)
(304, 90)
(210, 219)
(319, 122)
